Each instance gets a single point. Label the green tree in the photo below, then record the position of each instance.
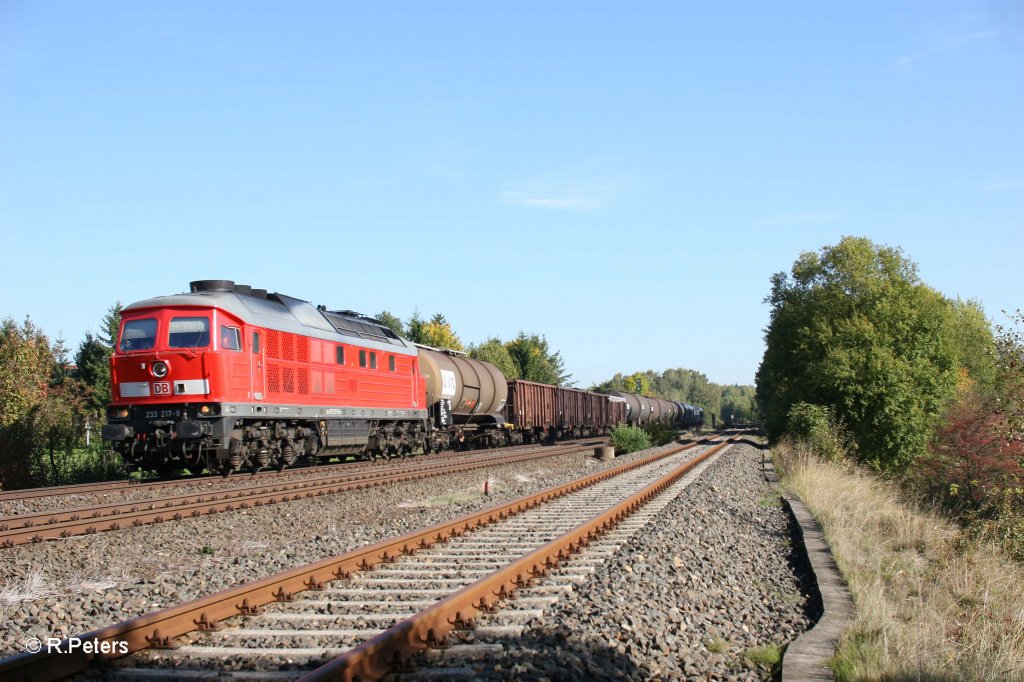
(392, 322)
(685, 386)
(92, 368)
(92, 361)
(41, 410)
(536, 361)
(637, 383)
(616, 383)
(494, 351)
(1009, 385)
(438, 333)
(416, 328)
(738, 404)
(26, 367)
(56, 425)
(974, 344)
(853, 329)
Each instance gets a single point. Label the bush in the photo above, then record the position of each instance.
(818, 427)
(95, 463)
(660, 433)
(628, 439)
(975, 474)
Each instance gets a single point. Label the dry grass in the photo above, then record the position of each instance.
(36, 585)
(32, 587)
(932, 603)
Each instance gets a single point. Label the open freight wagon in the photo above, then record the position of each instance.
(539, 411)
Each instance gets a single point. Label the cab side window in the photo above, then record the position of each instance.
(230, 338)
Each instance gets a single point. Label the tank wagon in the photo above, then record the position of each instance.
(644, 409)
(227, 377)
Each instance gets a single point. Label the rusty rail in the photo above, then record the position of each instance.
(115, 516)
(385, 652)
(158, 629)
(205, 479)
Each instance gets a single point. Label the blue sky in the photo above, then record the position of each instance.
(623, 177)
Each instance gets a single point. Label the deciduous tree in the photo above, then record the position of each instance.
(1009, 389)
(853, 328)
(438, 333)
(637, 383)
(392, 322)
(30, 410)
(536, 361)
(738, 404)
(682, 385)
(26, 367)
(495, 352)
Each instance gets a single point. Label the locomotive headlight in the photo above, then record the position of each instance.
(159, 369)
(117, 413)
(209, 410)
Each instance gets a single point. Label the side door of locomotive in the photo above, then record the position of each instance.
(256, 362)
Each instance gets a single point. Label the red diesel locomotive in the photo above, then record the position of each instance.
(225, 377)
(228, 377)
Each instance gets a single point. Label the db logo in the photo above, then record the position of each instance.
(161, 388)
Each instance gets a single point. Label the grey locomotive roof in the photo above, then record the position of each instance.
(292, 315)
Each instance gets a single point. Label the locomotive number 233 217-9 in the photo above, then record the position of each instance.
(163, 414)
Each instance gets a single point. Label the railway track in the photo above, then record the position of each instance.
(40, 526)
(217, 480)
(372, 608)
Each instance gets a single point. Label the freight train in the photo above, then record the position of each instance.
(229, 377)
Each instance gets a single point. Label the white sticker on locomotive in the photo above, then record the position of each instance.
(448, 385)
(139, 389)
(192, 387)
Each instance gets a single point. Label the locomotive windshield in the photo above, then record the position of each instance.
(138, 335)
(189, 332)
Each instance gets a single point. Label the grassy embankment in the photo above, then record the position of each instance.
(933, 602)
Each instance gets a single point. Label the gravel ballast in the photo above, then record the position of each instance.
(66, 587)
(705, 592)
(711, 590)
